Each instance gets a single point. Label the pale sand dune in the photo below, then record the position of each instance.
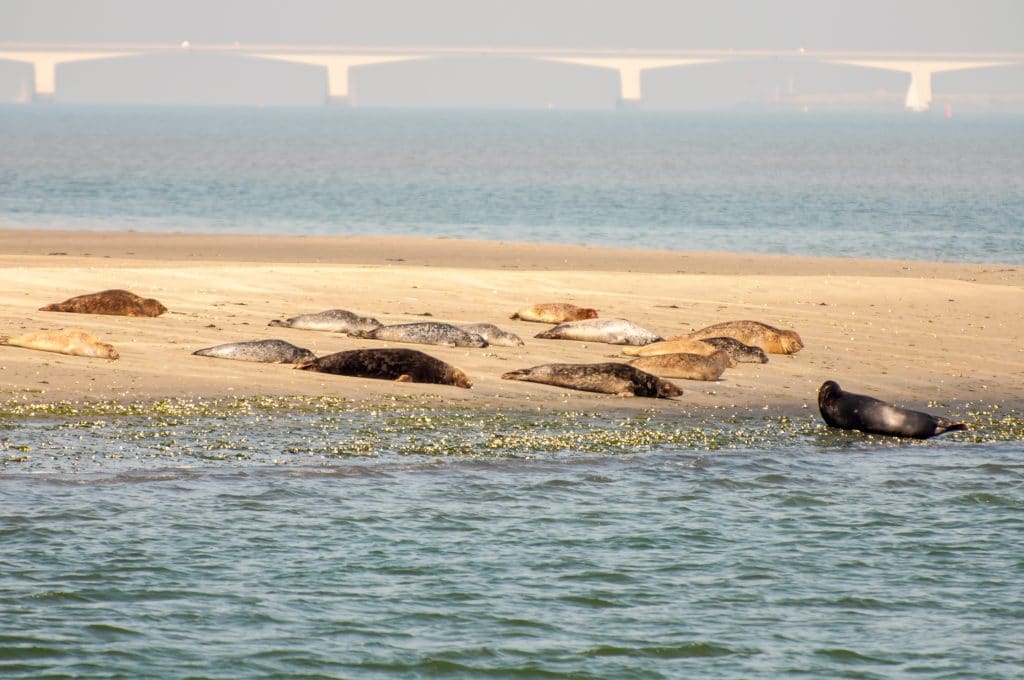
(908, 332)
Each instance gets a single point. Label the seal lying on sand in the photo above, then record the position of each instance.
(682, 345)
(738, 352)
(609, 378)
(71, 341)
(770, 339)
(611, 331)
(424, 333)
(114, 302)
(851, 411)
(269, 351)
(689, 366)
(493, 335)
(337, 320)
(554, 312)
(404, 365)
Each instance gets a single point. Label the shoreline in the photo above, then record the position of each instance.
(941, 337)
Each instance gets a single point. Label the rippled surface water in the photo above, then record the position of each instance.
(904, 186)
(278, 545)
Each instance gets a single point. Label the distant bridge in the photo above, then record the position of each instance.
(628, 63)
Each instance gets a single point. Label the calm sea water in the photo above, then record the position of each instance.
(277, 545)
(290, 543)
(906, 186)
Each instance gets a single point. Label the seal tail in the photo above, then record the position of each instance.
(366, 335)
(5, 339)
(304, 364)
(276, 322)
(515, 375)
(943, 425)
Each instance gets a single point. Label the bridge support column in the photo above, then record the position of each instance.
(45, 67)
(919, 94)
(338, 68)
(629, 71)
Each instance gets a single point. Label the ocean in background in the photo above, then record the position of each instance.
(895, 186)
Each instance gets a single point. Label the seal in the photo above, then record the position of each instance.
(71, 341)
(424, 333)
(607, 378)
(554, 312)
(115, 302)
(770, 339)
(739, 352)
(689, 366)
(268, 351)
(683, 345)
(493, 335)
(337, 320)
(403, 365)
(850, 411)
(611, 331)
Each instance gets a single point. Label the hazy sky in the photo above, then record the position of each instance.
(976, 25)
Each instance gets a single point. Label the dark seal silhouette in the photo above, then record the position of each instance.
(267, 351)
(609, 378)
(404, 365)
(115, 302)
(851, 411)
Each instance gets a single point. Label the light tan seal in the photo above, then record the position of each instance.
(607, 378)
(554, 312)
(678, 346)
(71, 341)
(769, 338)
(683, 365)
(391, 363)
(115, 302)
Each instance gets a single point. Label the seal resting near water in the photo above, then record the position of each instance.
(850, 411)
(403, 365)
(268, 351)
(554, 312)
(71, 341)
(493, 335)
(611, 331)
(608, 378)
(337, 320)
(424, 333)
(770, 339)
(115, 302)
(683, 365)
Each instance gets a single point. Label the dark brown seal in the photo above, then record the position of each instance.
(115, 302)
(608, 378)
(850, 411)
(404, 365)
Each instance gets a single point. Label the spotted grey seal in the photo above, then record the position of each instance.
(685, 365)
(770, 339)
(851, 411)
(404, 365)
(424, 333)
(493, 335)
(611, 331)
(115, 302)
(337, 320)
(608, 378)
(71, 341)
(268, 351)
(741, 353)
(554, 312)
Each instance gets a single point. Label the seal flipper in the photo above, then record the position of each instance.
(943, 425)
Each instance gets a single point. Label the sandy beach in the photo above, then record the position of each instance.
(946, 337)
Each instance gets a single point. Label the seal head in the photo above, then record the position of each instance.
(849, 411)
